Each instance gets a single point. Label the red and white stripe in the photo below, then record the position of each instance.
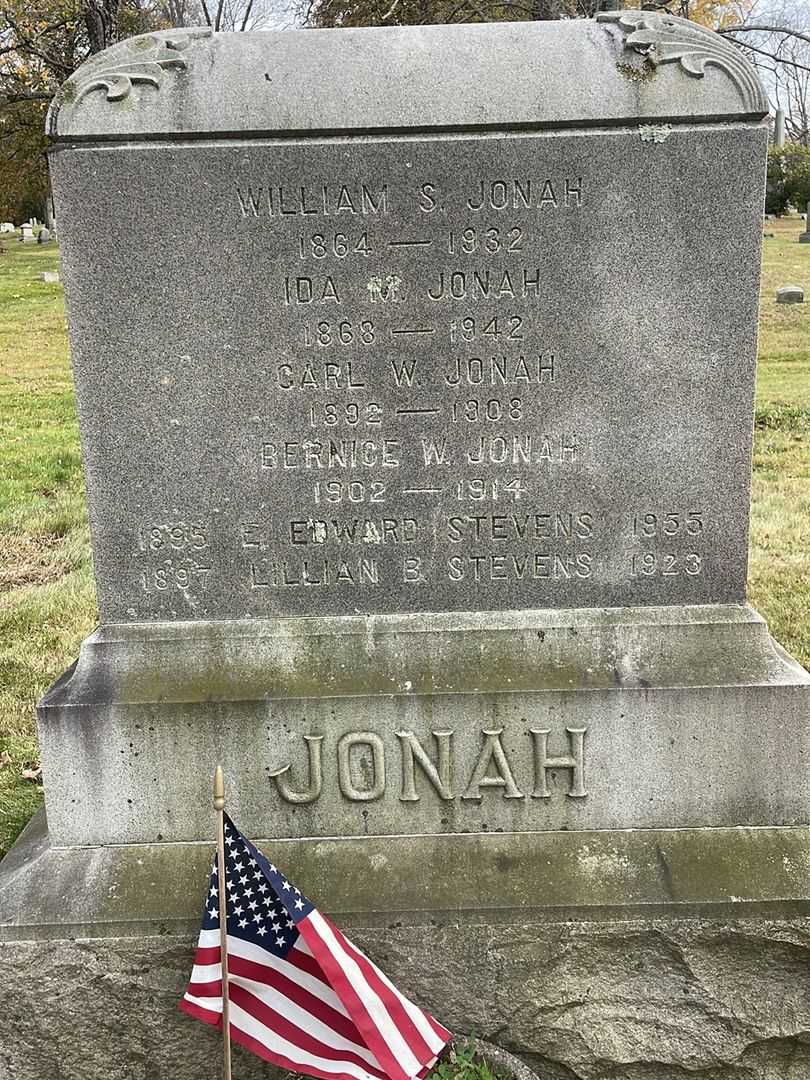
(324, 1009)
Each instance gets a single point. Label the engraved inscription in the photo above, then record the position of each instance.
(438, 772)
(310, 573)
(313, 789)
(327, 200)
(526, 193)
(424, 429)
(484, 284)
(433, 768)
(395, 405)
(574, 761)
(370, 765)
(174, 559)
(492, 759)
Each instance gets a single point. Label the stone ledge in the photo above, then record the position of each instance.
(468, 879)
(577, 649)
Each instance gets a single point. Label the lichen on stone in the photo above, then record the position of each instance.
(645, 73)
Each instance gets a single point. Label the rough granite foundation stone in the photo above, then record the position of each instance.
(643, 955)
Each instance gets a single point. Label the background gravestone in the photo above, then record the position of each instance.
(427, 523)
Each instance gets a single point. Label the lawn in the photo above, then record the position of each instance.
(46, 584)
(779, 567)
(46, 591)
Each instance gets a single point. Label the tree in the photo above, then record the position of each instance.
(42, 42)
(41, 45)
(788, 178)
(23, 175)
(322, 13)
(777, 42)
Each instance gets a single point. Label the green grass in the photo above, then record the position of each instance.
(461, 1062)
(779, 569)
(46, 590)
(46, 593)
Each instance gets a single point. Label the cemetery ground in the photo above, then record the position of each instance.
(46, 584)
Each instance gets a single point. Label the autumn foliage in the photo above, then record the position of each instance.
(42, 42)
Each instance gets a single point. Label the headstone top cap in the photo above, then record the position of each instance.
(623, 67)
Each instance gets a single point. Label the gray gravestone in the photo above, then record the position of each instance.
(44, 235)
(408, 508)
(27, 234)
(779, 128)
(804, 238)
(790, 294)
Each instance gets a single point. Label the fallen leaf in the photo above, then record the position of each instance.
(34, 773)
(5, 759)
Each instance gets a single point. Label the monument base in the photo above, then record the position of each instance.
(487, 802)
(533, 721)
(645, 955)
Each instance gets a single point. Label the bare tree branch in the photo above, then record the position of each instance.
(30, 95)
(28, 44)
(764, 27)
(248, 9)
(777, 59)
(510, 5)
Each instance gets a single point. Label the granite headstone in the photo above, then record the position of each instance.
(790, 294)
(419, 496)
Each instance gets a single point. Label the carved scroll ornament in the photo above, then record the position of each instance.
(666, 39)
(143, 59)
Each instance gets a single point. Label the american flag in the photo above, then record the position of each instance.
(300, 994)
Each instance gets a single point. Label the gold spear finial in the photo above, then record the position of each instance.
(219, 789)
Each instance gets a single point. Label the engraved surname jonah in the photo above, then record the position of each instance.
(523, 193)
(526, 194)
(494, 768)
(500, 370)
(538, 449)
(485, 285)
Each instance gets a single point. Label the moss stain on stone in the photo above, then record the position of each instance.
(643, 74)
(141, 44)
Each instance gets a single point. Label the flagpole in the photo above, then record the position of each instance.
(219, 806)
